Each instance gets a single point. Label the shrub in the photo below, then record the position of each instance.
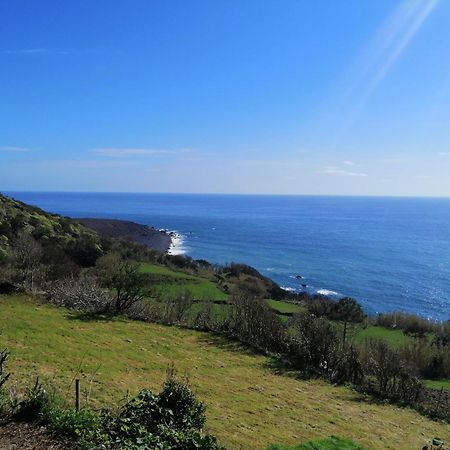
(171, 420)
(313, 343)
(81, 293)
(175, 309)
(129, 284)
(35, 406)
(84, 426)
(395, 377)
(251, 321)
(409, 323)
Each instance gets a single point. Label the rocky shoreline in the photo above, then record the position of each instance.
(151, 237)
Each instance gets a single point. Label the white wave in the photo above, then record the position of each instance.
(287, 288)
(327, 292)
(177, 246)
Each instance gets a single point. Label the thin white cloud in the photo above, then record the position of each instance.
(332, 170)
(85, 164)
(444, 153)
(124, 152)
(15, 149)
(32, 51)
(423, 177)
(349, 163)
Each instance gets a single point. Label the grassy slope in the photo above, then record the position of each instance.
(395, 338)
(171, 282)
(249, 406)
(331, 443)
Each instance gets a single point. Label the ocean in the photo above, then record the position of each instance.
(389, 253)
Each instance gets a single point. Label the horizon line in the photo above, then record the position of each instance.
(413, 196)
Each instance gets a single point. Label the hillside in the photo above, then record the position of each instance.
(16, 216)
(250, 404)
(142, 234)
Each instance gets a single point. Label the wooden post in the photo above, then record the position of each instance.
(77, 394)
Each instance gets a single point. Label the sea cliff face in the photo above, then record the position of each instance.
(112, 228)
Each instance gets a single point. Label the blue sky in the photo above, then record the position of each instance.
(249, 96)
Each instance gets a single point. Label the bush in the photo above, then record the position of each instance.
(129, 284)
(84, 426)
(35, 406)
(80, 293)
(171, 420)
(251, 321)
(313, 343)
(395, 377)
(409, 323)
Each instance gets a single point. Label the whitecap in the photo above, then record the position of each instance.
(326, 292)
(287, 288)
(177, 246)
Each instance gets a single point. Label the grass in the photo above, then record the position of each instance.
(171, 282)
(396, 338)
(249, 404)
(438, 384)
(331, 443)
(284, 307)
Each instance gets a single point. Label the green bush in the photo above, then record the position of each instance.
(84, 426)
(35, 406)
(171, 420)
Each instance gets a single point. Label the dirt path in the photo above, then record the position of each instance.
(25, 436)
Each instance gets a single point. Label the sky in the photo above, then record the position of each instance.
(313, 97)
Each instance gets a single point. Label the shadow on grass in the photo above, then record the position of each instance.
(84, 316)
(226, 343)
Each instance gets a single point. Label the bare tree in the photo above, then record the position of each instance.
(26, 257)
(130, 286)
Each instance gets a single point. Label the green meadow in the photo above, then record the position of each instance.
(250, 404)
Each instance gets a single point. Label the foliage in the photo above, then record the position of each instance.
(395, 377)
(129, 284)
(35, 405)
(409, 323)
(173, 419)
(83, 426)
(313, 342)
(253, 322)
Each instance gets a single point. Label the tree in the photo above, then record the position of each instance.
(130, 286)
(313, 342)
(348, 310)
(26, 256)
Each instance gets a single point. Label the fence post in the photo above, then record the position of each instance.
(77, 394)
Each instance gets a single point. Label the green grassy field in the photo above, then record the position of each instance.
(249, 404)
(284, 307)
(331, 443)
(171, 282)
(438, 384)
(395, 338)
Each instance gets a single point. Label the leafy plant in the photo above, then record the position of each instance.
(35, 405)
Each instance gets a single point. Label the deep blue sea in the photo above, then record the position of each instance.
(389, 253)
